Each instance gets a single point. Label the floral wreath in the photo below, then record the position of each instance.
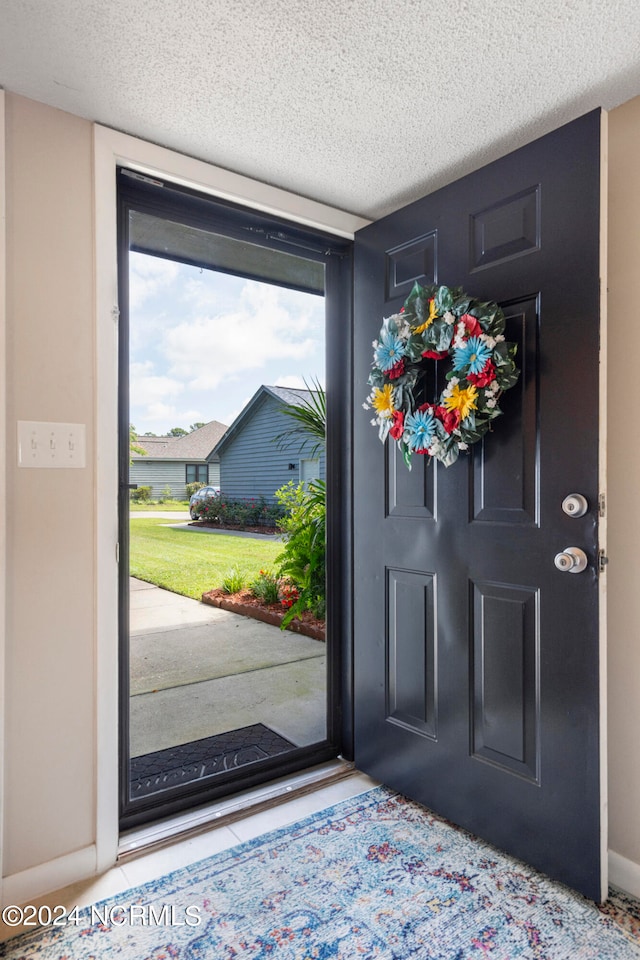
(436, 323)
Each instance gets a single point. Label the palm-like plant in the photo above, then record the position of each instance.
(310, 416)
(304, 527)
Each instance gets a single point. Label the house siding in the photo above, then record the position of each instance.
(159, 474)
(252, 464)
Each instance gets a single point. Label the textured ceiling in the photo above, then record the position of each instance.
(362, 104)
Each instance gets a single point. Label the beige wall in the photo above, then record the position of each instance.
(624, 481)
(50, 762)
(49, 751)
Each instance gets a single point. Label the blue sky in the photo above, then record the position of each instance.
(201, 343)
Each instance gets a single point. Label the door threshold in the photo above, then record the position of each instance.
(143, 840)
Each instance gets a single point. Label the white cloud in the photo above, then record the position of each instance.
(145, 387)
(293, 381)
(267, 323)
(148, 276)
(160, 413)
(192, 331)
(296, 382)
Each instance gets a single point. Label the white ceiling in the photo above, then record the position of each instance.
(362, 104)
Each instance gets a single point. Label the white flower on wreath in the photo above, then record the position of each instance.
(448, 317)
(463, 446)
(404, 330)
(492, 403)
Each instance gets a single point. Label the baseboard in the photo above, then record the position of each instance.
(24, 887)
(624, 874)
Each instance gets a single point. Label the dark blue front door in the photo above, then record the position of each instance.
(476, 659)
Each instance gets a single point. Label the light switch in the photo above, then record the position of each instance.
(51, 444)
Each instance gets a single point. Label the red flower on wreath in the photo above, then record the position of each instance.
(484, 378)
(450, 419)
(471, 323)
(435, 354)
(396, 370)
(397, 429)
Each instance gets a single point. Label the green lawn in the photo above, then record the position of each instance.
(168, 505)
(191, 562)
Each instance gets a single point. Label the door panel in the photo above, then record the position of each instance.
(411, 687)
(476, 660)
(505, 479)
(505, 711)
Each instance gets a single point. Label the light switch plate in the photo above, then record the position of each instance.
(51, 444)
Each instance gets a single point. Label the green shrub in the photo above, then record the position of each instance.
(254, 512)
(266, 587)
(166, 494)
(141, 494)
(302, 561)
(192, 488)
(209, 508)
(233, 581)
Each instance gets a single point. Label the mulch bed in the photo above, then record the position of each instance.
(247, 605)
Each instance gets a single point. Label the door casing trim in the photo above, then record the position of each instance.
(113, 149)
(602, 525)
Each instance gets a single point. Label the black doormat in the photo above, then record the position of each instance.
(201, 758)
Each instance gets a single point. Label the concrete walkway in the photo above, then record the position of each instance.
(197, 671)
(186, 524)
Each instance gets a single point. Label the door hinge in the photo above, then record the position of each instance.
(603, 560)
(117, 553)
(115, 314)
(602, 505)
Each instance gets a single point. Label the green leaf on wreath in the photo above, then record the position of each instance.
(414, 349)
(509, 380)
(461, 306)
(469, 422)
(444, 300)
(443, 334)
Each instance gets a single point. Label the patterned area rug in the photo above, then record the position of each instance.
(376, 876)
(151, 772)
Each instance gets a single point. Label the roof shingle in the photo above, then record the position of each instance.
(196, 445)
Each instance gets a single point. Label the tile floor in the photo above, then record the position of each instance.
(138, 870)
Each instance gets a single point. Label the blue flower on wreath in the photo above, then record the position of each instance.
(390, 349)
(419, 429)
(474, 354)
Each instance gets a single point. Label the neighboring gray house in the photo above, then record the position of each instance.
(175, 461)
(252, 462)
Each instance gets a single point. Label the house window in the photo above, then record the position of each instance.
(197, 472)
(309, 470)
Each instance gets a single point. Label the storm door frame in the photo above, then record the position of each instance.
(171, 201)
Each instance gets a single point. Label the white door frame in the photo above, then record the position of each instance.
(112, 149)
